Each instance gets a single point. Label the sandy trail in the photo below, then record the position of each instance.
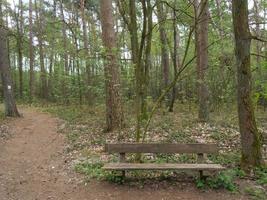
(32, 167)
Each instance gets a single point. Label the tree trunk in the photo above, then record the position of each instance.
(164, 45)
(258, 34)
(19, 26)
(250, 137)
(76, 42)
(9, 100)
(43, 76)
(202, 22)
(175, 57)
(114, 115)
(147, 34)
(65, 56)
(89, 95)
(219, 13)
(31, 82)
(137, 66)
(52, 55)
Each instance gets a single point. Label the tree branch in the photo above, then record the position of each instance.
(253, 37)
(258, 55)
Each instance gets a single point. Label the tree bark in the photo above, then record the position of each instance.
(165, 63)
(65, 55)
(19, 26)
(76, 42)
(52, 56)
(86, 47)
(9, 100)
(43, 76)
(114, 115)
(31, 82)
(137, 66)
(202, 22)
(250, 137)
(175, 58)
(148, 33)
(258, 34)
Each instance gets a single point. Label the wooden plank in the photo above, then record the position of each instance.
(164, 166)
(161, 148)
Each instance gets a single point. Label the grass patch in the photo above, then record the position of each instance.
(91, 170)
(95, 171)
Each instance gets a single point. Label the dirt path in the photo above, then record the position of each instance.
(32, 168)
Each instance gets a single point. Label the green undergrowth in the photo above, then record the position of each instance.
(230, 159)
(95, 171)
(2, 113)
(2, 116)
(261, 176)
(84, 130)
(256, 193)
(74, 114)
(225, 179)
(91, 170)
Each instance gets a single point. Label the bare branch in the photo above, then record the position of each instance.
(258, 55)
(253, 37)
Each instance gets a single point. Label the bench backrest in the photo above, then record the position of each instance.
(161, 148)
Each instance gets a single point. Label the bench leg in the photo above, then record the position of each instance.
(123, 174)
(123, 160)
(201, 176)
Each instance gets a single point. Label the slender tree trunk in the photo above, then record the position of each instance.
(52, 56)
(164, 45)
(137, 66)
(65, 56)
(31, 83)
(250, 137)
(19, 25)
(76, 42)
(258, 34)
(223, 55)
(114, 115)
(219, 13)
(9, 100)
(202, 22)
(89, 96)
(148, 59)
(20, 68)
(140, 52)
(43, 76)
(264, 27)
(176, 60)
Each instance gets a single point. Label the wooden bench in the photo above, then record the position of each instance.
(199, 149)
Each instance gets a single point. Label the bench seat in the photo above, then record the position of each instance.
(162, 166)
(174, 148)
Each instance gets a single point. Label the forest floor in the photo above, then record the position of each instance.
(39, 152)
